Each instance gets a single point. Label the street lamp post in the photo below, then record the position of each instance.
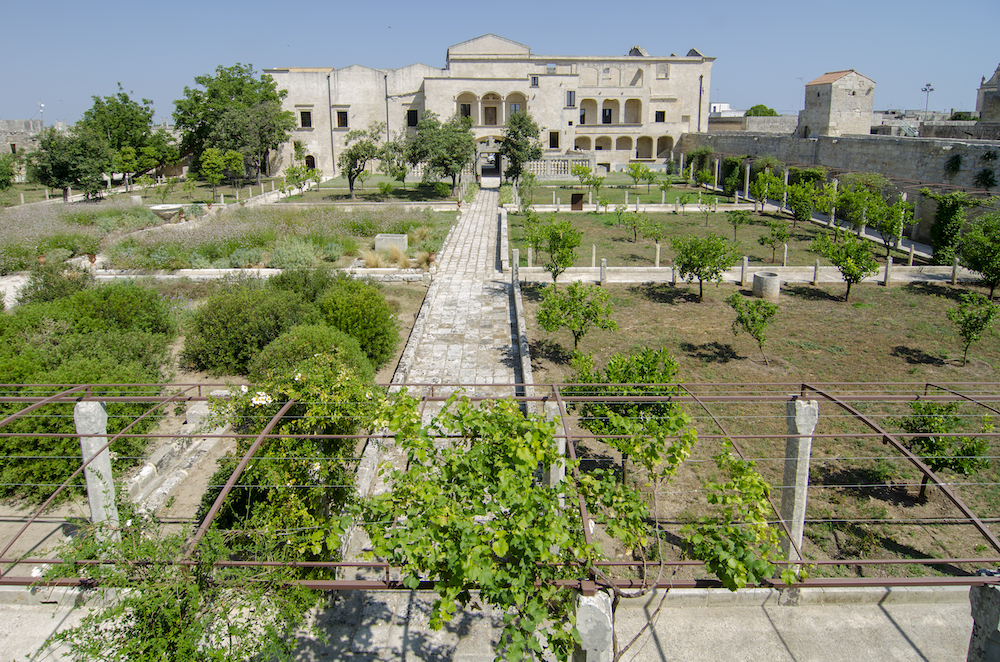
(927, 89)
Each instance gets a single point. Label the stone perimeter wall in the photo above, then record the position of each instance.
(899, 158)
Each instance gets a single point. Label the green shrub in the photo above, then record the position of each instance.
(441, 190)
(48, 282)
(232, 326)
(123, 305)
(292, 253)
(243, 258)
(361, 310)
(305, 341)
(308, 283)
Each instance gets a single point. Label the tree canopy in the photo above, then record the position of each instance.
(362, 147)
(760, 110)
(445, 148)
(208, 115)
(520, 144)
(75, 160)
(704, 258)
(980, 249)
(119, 120)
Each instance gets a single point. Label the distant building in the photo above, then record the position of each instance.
(838, 103)
(614, 109)
(18, 136)
(988, 98)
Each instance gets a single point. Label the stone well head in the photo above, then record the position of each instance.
(766, 285)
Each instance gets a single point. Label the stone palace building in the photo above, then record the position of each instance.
(610, 110)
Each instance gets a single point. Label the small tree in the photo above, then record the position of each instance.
(765, 187)
(704, 258)
(215, 165)
(949, 218)
(959, 454)
(526, 190)
(853, 257)
(650, 178)
(595, 183)
(635, 223)
(520, 144)
(393, 161)
(577, 308)
(980, 249)
(973, 316)
(802, 200)
(652, 230)
(563, 239)
(777, 234)
(737, 218)
(637, 171)
(760, 110)
(752, 316)
(362, 147)
(10, 169)
(888, 220)
(581, 172)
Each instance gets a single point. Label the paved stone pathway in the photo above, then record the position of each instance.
(470, 336)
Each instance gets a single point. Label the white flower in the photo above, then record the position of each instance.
(39, 570)
(128, 522)
(260, 399)
(368, 395)
(243, 388)
(298, 376)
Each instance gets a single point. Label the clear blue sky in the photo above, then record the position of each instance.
(62, 53)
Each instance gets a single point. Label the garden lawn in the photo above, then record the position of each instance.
(337, 190)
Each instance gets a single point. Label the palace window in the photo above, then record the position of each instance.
(411, 117)
(661, 116)
(553, 140)
(570, 99)
(534, 81)
(341, 119)
(305, 119)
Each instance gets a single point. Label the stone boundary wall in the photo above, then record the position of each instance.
(782, 124)
(900, 158)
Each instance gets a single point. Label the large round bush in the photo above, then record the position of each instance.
(303, 342)
(361, 310)
(229, 330)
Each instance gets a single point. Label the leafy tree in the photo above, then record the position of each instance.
(699, 157)
(581, 172)
(70, 161)
(760, 110)
(253, 131)
(777, 234)
(362, 146)
(394, 160)
(652, 230)
(126, 161)
(638, 172)
(853, 257)
(737, 218)
(635, 223)
(520, 144)
(650, 178)
(752, 316)
(802, 200)
(946, 233)
(765, 187)
(704, 258)
(815, 175)
(859, 193)
(10, 168)
(562, 240)
(445, 148)
(119, 120)
(215, 164)
(526, 190)
(210, 107)
(980, 249)
(595, 183)
(973, 316)
(577, 308)
(959, 454)
(888, 220)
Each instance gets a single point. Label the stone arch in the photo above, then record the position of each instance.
(471, 104)
(644, 148)
(492, 106)
(582, 143)
(623, 144)
(633, 111)
(515, 102)
(609, 112)
(310, 162)
(589, 112)
(604, 142)
(664, 144)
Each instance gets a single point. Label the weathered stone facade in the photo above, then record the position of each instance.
(619, 109)
(838, 103)
(18, 136)
(988, 98)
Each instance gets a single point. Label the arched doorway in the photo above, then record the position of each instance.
(310, 162)
(582, 143)
(623, 144)
(663, 146)
(644, 148)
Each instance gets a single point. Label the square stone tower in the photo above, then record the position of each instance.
(838, 103)
(988, 98)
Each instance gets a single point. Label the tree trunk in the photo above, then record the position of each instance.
(922, 497)
(701, 290)
(847, 297)
(66, 194)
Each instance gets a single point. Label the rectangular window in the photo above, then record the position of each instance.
(553, 140)
(411, 118)
(606, 116)
(661, 116)
(306, 119)
(515, 108)
(465, 109)
(13, 148)
(490, 115)
(583, 116)
(570, 99)
(534, 81)
(341, 119)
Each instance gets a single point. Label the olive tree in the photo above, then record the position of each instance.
(704, 258)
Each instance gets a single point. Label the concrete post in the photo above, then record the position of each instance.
(784, 257)
(22, 198)
(222, 198)
(596, 627)
(909, 262)
(715, 183)
(553, 197)
(736, 197)
(802, 416)
(677, 205)
(626, 197)
(682, 164)
(593, 255)
(237, 195)
(636, 204)
(46, 194)
(531, 257)
(604, 271)
(262, 188)
(590, 197)
(249, 192)
(515, 263)
(954, 271)
(715, 206)
(784, 195)
(816, 273)
(91, 420)
(888, 271)
(833, 207)
(663, 197)
(556, 472)
(657, 256)
(743, 271)
(558, 202)
(699, 197)
(984, 644)
(272, 186)
(673, 275)
(746, 181)
(69, 195)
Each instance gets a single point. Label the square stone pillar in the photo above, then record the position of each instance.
(802, 416)
(91, 420)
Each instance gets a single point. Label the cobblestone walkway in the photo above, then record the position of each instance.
(470, 336)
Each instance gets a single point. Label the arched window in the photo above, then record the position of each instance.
(310, 162)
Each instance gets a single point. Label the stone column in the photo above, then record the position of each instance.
(718, 163)
(515, 263)
(636, 204)
(746, 181)
(556, 472)
(984, 644)
(784, 257)
(604, 271)
(816, 273)
(743, 271)
(531, 257)
(626, 197)
(784, 195)
(663, 197)
(802, 416)
(954, 271)
(909, 262)
(91, 420)
(590, 197)
(888, 271)
(833, 208)
(657, 256)
(673, 275)
(595, 624)
(593, 255)
(682, 164)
